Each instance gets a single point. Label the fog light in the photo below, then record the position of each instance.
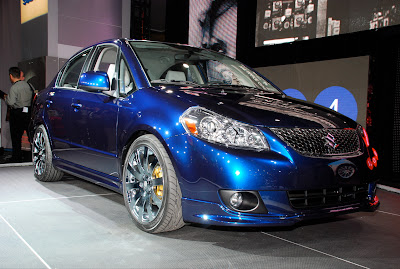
(243, 201)
(236, 200)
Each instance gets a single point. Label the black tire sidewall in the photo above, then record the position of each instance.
(45, 176)
(151, 142)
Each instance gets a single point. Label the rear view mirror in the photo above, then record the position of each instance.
(94, 81)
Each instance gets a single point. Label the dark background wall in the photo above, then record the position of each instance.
(10, 52)
(34, 37)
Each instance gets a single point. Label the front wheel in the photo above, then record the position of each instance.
(151, 191)
(42, 157)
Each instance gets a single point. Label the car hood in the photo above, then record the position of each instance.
(262, 108)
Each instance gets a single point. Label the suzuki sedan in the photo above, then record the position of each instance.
(188, 135)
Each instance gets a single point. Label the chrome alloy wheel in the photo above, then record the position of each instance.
(144, 184)
(39, 153)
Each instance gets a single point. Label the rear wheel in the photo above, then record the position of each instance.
(42, 157)
(151, 191)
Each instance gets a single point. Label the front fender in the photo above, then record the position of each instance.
(156, 113)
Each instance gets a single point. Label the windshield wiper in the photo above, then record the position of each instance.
(218, 84)
(174, 82)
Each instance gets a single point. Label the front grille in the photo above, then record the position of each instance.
(321, 142)
(305, 199)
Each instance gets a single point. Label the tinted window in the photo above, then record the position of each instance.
(73, 70)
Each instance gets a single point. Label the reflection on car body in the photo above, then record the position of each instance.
(190, 135)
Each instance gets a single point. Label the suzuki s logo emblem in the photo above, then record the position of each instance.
(330, 141)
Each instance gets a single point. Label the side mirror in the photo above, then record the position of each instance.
(94, 81)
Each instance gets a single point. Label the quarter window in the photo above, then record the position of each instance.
(125, 80)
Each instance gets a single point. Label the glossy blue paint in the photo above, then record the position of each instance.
(215, 214)
(56, 107)
(94, 81)
(107, 181)
(91, 131)
(93, 149)
(96, 121)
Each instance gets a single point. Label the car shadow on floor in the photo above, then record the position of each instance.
(273, 241)
(248, 230)
(223, 236)
(71, 186)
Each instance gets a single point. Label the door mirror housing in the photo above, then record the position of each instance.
(94, 81)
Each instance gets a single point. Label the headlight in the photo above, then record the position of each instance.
(214, 128)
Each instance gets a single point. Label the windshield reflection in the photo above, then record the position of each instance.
(167, 64)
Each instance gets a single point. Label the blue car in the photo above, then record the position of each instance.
(188, 135)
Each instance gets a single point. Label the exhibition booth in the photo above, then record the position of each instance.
(339, 54)
(220, 162)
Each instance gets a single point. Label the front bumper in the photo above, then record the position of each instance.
(205, 169)
(279, 212)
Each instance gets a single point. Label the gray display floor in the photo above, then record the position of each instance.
(76, 224)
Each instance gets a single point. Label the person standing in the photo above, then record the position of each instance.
(19, 100)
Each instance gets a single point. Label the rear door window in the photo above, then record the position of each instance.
(73, 70)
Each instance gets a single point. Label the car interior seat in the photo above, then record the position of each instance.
(175, 76)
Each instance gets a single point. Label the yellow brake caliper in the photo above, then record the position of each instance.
(157, 173)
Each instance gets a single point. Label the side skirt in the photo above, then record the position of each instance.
(96, 177)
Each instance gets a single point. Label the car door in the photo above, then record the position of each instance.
(58, 105)
(94, 116)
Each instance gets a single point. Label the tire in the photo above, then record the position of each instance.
(150, 187)
(42, 157)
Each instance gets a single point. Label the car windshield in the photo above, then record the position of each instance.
(184, 65)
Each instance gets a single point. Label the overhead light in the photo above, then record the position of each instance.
(279, 41)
